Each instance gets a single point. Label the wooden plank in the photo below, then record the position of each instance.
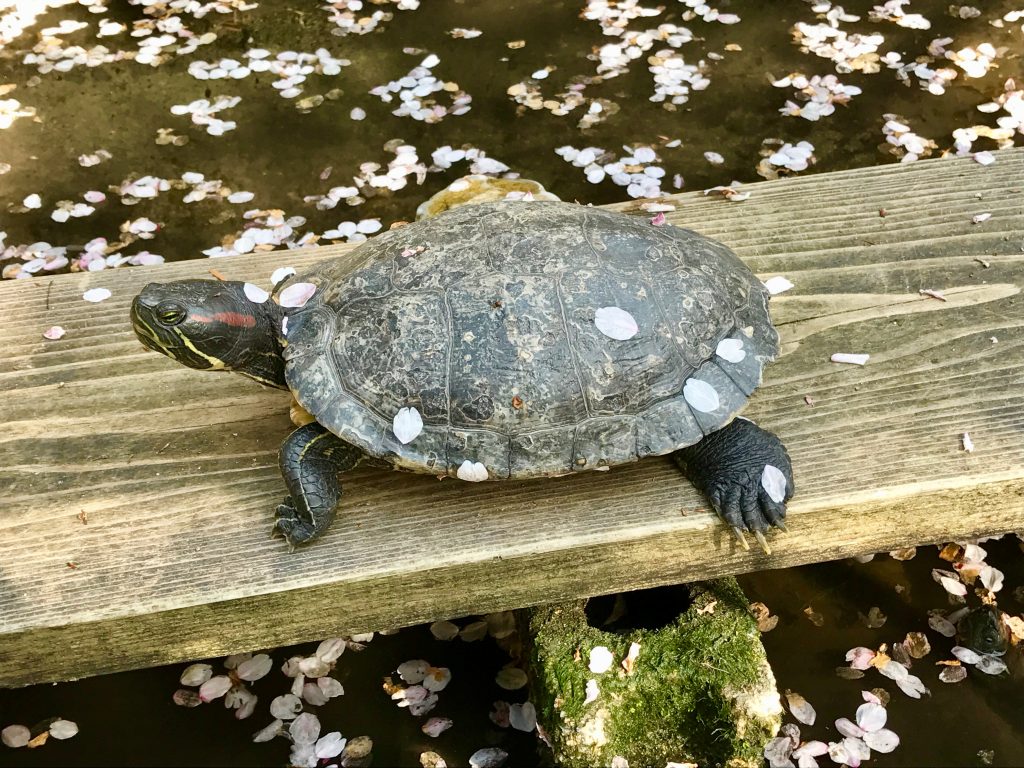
(175, 470)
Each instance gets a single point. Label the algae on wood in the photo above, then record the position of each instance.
(699, 691)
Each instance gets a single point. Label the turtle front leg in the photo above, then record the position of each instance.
(311, 458)
(746, 474)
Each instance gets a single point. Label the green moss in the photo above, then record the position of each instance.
(678, 704)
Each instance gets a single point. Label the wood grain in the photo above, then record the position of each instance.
(174, 471)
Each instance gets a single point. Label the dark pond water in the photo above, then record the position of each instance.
(290, 152)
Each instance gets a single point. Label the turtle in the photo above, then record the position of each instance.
(502, 340)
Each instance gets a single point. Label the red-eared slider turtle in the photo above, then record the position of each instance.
(502, 340)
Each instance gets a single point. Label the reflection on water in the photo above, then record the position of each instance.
(264, 127)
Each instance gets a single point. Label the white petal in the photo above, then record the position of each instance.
(522, 717)
(32, 201)
(884, 740)
(800, 708)
(852, 359)
(280, 274)
(407, 425)
(731, 350)
(240, 197)
(54, 333)
(700, 395)
(592, 691)
(615, 323)
(330, 745)
(255, 294)
(871, 717)
(773, 480)
(63, 729)
(991, 665)
(413, 671)
(472, 471)
(601, 660)
(777, 285)
(329, 650)
(966, 655)
(196, 674)
(296, 294)
(255, 668)
(96, 295)
(848, 728)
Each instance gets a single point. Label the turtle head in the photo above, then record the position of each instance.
(211, 325)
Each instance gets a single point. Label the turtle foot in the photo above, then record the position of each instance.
(290, 523)
(747, 476)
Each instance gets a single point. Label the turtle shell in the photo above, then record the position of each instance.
(487, 320)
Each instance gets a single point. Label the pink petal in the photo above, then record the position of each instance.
(215, 687)
(860, 657)
(658, 219)
(54, 333)
(296, 295)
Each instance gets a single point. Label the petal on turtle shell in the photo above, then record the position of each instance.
(774, 483)
(254, 293)
(700, 395)
(407, 424)
(296, 295)
(731, 350)
(472, 471)
(616, 323)
(281, 274)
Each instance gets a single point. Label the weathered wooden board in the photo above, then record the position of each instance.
(136, 496)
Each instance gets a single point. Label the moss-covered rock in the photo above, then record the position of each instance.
(700, 690)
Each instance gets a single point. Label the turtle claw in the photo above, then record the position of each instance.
(740, 537)
(781, 526)
(763, 542)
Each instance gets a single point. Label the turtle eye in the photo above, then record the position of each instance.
(170, 313)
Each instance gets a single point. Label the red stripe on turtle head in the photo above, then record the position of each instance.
(235, 319)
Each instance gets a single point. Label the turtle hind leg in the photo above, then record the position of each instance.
(311, 458)
(745, 473)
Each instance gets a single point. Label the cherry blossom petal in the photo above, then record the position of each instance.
(882, 740)
(215, 687)
(281, 274)
(700, 395)
(329, 650)
(15, 736)
(616, 323)
(407, 425)
(255, 668)
(492, 757)
(800, 708)
(437, 678)
(522, 717)
(991, 665)
(511, 678)
(871, 717)
(848, 728)
(435, 726)
(305, 729)
(413, 671)
(731, 350)
(472, 471)
(96, 295)
(601, 660)
(254, 293)
(296, 295)
(860, 657)
(54, 333)
(330, 745)
(286, 707)
(851, 359)
(774, 483)
(777, 285)
(196, 674)
(444, 630)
